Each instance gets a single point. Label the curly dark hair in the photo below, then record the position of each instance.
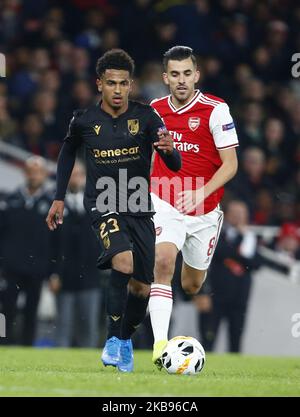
(178, 53)
(115, 59)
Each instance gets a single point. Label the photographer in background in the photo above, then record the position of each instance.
(26, 247)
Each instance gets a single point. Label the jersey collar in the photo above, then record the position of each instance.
(187, 106)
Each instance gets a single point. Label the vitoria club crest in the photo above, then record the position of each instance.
(133, 126)
(194, 123)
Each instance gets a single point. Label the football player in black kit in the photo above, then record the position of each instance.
(118, 136)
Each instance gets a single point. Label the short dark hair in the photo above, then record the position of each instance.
(178, 53)
(115, 59)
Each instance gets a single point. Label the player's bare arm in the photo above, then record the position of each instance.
(225, 173)
(188, 200)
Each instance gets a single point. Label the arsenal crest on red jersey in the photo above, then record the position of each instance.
(194, 123)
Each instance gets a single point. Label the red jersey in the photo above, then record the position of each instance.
(199, 129)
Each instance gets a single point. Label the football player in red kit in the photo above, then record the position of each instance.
(187, 203)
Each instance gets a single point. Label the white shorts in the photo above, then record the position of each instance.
(195, 236)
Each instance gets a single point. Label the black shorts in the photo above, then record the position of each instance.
(118, 233)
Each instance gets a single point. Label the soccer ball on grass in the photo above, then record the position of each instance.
(183, 355)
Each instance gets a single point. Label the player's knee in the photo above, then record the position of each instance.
(191, 288)
(123, 263)
(125, 266)
(139, 289)
(164, 266)
(192, 281)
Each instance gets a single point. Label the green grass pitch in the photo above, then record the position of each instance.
(78, 372)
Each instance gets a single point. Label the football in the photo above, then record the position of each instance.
(183, 355)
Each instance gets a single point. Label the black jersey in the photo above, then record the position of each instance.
(118, 153)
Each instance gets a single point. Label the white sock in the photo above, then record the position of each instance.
(160, 308)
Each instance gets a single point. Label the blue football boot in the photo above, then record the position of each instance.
(125, 363)
(111, 352)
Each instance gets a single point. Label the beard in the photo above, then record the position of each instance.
(183, 95)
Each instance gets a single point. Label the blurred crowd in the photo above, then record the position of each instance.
(244, 49)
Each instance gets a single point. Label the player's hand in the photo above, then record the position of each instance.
(165, 142)
(55, 214)
(189, 200)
